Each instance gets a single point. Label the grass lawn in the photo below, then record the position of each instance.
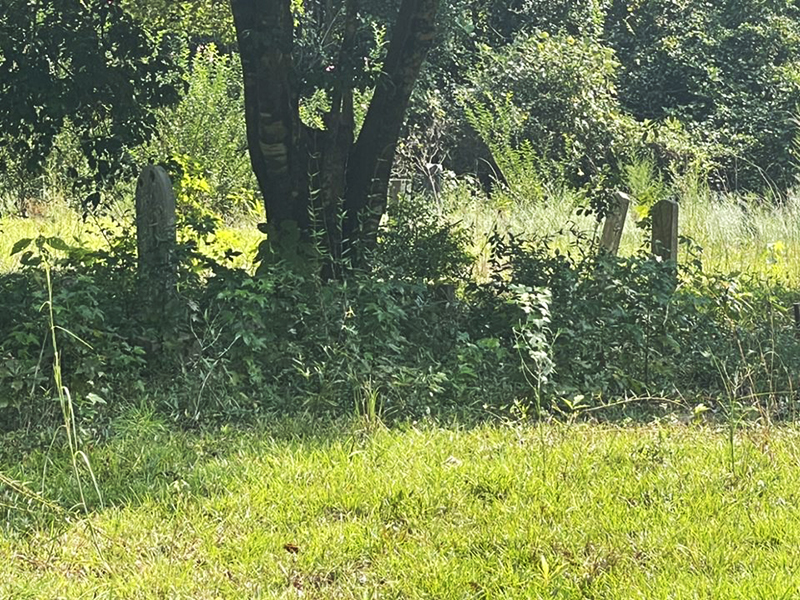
(291, 510)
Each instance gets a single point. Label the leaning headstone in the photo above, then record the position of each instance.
(155, 238)
(665, 229)
(615, 222)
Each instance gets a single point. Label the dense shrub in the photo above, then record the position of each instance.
(564, 92)
(546, 107)
(419, 244)
(204, 137)
(726, 70)
(633, 326)
(412, 337)
(91, 294)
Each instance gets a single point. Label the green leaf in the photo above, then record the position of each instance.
(29, 260)
(94, 398)
(21, 245)
(56, 243)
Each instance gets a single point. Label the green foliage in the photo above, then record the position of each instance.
(727, 70)
(418, 243)
(415, 336)
(468, 31)
(86, 64)
(204, 139)
(191, 20)
(546, 106)
(621, 327)
(708, 88)
(291, 342)
(92, 309)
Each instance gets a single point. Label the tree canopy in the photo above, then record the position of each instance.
(84, 64)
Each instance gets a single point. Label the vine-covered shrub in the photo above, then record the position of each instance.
(558, 95)
(633, 326)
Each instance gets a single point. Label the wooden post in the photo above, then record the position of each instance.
(665, 230)
(615, 223)
(155, 239)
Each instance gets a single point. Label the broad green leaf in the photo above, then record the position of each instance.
(21, 245)
(56, 243)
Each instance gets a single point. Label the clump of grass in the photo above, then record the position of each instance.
(745, 234)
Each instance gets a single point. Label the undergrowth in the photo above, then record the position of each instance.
(423, 333)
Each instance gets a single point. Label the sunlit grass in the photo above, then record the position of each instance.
(336, 511)
(57, 218)
(733, 233)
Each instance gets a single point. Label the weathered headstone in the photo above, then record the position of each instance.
(665, 229)
(615, 223)
(155, 238)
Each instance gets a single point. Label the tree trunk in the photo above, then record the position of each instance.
(372, 156)
(349, 176)
(275, 135)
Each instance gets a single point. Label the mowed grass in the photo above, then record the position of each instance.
(291, 510)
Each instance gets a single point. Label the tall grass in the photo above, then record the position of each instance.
(736, 233)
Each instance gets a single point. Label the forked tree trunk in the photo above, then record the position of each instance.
(351, 176)
(373, 153)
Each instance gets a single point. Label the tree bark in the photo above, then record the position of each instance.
(348, 175)
(275, 135)
(371, 159)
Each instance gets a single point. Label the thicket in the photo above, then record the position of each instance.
(548, 94)
(542, 329)
(706, 87)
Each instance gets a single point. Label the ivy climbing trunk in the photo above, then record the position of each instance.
(326, 184)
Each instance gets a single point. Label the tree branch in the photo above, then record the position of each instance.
(373, 153)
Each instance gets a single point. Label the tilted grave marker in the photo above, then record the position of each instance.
(615, 223)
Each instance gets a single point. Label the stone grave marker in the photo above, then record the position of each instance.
(615, 223)
(155, 238)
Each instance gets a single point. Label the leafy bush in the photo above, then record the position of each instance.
(630, 325)
(413, 337)
(546, 106)
(91, 295)
(726, 70)
(192, 20)
(87, 65)
(418, 243)
(205, 137)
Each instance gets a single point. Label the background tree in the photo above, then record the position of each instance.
(727, 70)
(81, 64)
